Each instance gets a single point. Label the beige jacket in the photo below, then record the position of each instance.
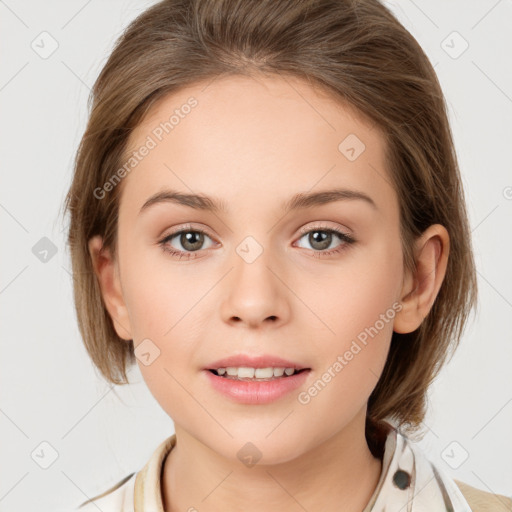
(422, 486)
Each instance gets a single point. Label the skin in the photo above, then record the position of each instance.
(254, 143)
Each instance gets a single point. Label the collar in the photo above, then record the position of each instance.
(147, 495)
(410, 482)
(407, 478)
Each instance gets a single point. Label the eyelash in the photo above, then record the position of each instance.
(347, 239)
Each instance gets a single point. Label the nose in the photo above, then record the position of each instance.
(255, 294)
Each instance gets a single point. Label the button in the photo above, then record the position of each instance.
(402, 479)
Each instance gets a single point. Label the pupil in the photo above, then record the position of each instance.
(325, 239)
(192, 240)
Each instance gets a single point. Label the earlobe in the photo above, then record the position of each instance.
(420, 288)
(107, 274)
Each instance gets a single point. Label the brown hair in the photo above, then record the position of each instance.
(360, 54)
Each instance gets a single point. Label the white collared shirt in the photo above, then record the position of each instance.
(409, 482)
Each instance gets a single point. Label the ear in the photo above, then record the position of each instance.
(107, 272)
(420, 288)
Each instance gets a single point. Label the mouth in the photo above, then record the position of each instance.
(256, 385)
(249, 374)
(255, 367)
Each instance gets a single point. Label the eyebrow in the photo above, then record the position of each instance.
(299, 201)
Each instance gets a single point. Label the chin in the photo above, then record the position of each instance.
(257, 447)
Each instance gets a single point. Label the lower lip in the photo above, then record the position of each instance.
(255, 393)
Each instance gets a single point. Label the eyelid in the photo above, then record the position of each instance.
(322, 226)
(187, 227)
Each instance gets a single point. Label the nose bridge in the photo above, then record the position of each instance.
(255, 292)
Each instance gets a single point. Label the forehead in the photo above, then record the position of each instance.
(238, 134)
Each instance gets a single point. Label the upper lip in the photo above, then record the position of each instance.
(254, 361)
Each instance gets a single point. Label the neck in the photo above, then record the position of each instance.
(340, 474)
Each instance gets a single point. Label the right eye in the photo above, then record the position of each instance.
(190, 240)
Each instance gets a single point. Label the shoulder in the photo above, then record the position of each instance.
(118, 498)
(482, 501)
(140, 490)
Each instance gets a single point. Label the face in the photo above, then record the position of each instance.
(316, 283)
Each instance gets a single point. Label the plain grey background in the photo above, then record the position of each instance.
(67, 435)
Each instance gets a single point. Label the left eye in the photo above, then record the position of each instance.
(321, 239)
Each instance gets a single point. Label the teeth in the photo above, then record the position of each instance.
(244, 372)
(278, 372)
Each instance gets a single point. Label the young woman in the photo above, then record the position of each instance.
(267, 216)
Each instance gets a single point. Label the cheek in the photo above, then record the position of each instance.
(359, 304)
(165, 312)
(169, 305)
(159, 293)
(351, 296)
